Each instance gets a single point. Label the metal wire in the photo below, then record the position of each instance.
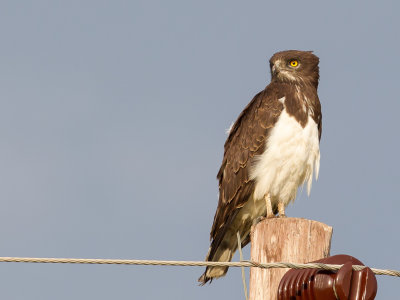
(245, 263)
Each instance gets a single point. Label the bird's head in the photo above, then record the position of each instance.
(294, 66)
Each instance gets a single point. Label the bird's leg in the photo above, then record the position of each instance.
(281, 210)
(270, 213)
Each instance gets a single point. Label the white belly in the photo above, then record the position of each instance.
(292, 153)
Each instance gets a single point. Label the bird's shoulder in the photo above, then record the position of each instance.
(259, 110)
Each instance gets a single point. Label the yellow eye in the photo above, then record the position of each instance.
(294, 63)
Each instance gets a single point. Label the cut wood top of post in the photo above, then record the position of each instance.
(302, 235)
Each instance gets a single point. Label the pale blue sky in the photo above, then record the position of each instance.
(112, 123)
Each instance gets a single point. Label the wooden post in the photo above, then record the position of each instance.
(284, 240)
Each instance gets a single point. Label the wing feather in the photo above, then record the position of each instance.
(247, 139)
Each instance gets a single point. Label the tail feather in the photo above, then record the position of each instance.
(224, 245)
(221, 250)
(210, 273)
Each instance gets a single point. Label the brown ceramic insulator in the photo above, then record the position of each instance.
(344, 284)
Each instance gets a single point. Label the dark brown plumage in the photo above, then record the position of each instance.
(248, 140)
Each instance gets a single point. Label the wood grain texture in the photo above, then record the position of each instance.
(284, 240)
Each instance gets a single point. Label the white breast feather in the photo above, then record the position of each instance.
(292, 153)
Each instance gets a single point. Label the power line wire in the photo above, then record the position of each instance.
(245, 263)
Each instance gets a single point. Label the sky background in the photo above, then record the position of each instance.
(112, 124)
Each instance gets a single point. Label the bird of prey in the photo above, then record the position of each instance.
(271, 150)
